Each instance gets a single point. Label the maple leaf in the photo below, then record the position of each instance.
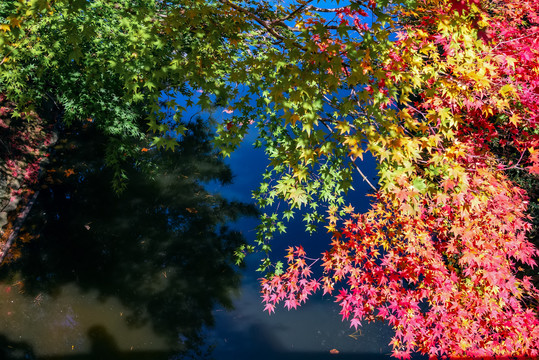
(534, 160)
(355, 322)
(269, 307)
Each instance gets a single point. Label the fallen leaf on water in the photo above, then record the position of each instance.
(69, 172)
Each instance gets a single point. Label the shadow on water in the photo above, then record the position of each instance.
(160, 253)
(104, 347)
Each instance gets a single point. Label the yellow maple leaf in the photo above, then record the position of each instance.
(510, 61)
(507, 89)
(349, 209)
(356, 152)
(15, 22)
(514, 119)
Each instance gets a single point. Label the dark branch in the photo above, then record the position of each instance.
(264, 23)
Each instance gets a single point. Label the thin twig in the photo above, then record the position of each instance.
(507, 41)
(264, 23)
(300, 8)
(318, 9)
(364, 177)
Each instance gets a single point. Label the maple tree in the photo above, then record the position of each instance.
(443, 94)
(437, 254)
(109, 62)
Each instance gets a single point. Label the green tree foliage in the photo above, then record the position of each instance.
(110, 62)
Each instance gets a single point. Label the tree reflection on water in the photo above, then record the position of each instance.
(162, 247)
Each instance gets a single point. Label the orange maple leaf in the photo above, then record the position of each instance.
(534, 160)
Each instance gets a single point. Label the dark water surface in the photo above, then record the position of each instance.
(150, 274)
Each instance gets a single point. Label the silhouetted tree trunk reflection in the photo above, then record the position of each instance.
(162, 247)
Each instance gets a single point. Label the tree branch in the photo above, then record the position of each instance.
(300, 8)
(318, 9)
(264, 23)
(363, 176)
